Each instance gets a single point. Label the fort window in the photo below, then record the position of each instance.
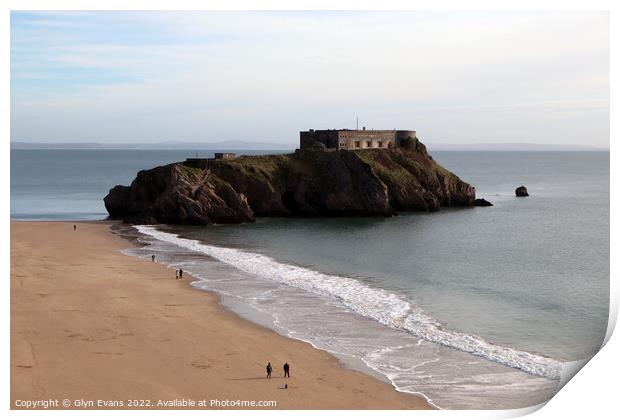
(368, 144)
(357, 144)
(380, 144)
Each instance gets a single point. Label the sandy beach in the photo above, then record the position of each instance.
(91, 324)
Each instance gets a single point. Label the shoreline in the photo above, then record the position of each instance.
(350, 363)
(241, 311)
(259, 319)
(125, 330)
(345, 361)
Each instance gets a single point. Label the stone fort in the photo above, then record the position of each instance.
(346, 139)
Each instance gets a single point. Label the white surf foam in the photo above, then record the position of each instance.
(383, 306)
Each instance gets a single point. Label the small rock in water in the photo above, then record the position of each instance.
(521, 192)
(481, 202)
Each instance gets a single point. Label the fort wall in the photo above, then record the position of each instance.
(366, 139)
(354, 139)
(329, 138)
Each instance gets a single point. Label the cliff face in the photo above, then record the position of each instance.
(304, 184)
(179, 195)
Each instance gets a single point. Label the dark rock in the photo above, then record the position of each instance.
(178, 194)
(317, 146)
(481, 202)
(521, 192)
(307, 183)
(116, 201)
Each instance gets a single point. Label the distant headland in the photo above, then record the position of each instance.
(273, 146)
(164, 145)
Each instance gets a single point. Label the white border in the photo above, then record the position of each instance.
(591, 395)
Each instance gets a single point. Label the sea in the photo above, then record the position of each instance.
(472, 308)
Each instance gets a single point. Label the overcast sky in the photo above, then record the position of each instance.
(455, 77)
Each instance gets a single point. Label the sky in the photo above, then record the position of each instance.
(210, 76)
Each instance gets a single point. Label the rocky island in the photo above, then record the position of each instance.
(311, 182)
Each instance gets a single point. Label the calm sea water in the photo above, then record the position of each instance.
(474, 308)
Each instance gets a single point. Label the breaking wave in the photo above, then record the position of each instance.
(383, 306)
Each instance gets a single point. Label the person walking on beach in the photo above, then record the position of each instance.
(74, 227)
(180, 273)
(153, 258)
(286, 370)
(269, 370)
(176, 274)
